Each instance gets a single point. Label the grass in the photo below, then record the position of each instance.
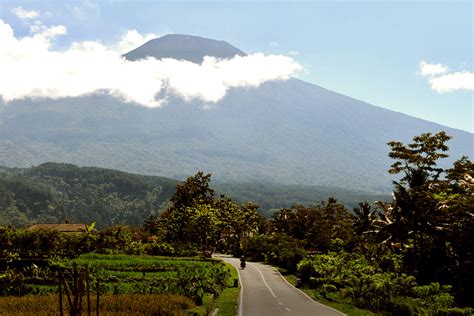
(227, 302)
(134, 304)
(342, 306)
(204, 309)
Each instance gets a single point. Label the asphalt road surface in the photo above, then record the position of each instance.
(265, 292)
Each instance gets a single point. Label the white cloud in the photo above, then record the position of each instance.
(25, 14)
(427, 69)
(451, 82)
(132, 39)
(442, 82)
(293, 53)
(31, 68)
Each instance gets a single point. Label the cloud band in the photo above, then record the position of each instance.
(31, 68)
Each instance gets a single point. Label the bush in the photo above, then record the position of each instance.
(12, 283)
(277, 249)
(434, 296)
(159, 249)
(404, 306)
(366, 285)
(454, 312)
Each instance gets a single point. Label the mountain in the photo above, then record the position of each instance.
(184, 47)
(287, 132)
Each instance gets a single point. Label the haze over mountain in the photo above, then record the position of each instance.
(290, 132)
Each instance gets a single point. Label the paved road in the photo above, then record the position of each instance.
(265, 292)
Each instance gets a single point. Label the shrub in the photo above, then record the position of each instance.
(277, 249)
(404, 306)
(159, 249)
(454, 312)
(12, 283)
(434, 296)
(366, 285)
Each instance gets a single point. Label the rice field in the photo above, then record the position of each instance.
(190, 280)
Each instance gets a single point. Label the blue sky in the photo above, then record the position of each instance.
(368, 50)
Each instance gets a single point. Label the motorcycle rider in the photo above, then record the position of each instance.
(242, 262)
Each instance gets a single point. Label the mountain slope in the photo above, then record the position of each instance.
(288, 132)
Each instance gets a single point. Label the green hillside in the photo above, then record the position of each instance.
(57, 192)
(54, 192)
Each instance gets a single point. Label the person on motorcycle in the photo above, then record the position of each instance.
(242, 262)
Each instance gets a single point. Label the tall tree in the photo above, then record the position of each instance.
(196, 217)
(433, 212)
(194, 191)
(417, 162)
(316, 225)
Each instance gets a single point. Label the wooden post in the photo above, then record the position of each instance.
(74, 277)
(97, 298)
(88, 294)
(66, 290)
(80, 290)
(60, 293)
(75, 292)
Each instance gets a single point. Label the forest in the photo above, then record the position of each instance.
(409, 256)
(54, 192)
(58, 192)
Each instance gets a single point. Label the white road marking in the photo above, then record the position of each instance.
(306, 295)
(241, 303)
(263, 278)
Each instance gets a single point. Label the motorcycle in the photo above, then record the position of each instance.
(242, 263)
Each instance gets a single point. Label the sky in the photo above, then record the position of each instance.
(413, 57)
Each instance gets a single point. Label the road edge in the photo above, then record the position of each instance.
(241, 294)
(305, 294)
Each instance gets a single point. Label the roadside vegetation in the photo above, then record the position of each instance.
(410, 256)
